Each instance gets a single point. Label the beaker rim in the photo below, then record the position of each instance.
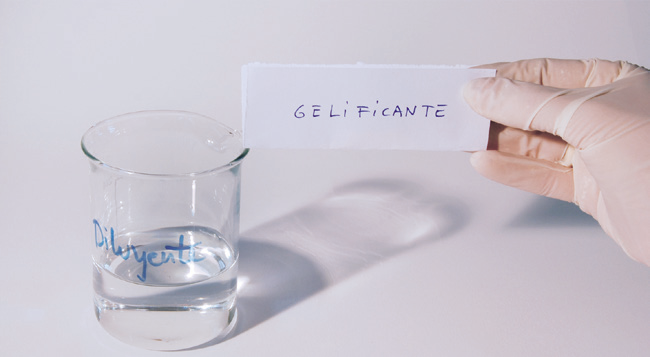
(238, 155)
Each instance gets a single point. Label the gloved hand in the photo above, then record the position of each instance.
(574, 130)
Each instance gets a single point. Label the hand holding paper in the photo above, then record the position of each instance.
(360, 107)
(549, 108)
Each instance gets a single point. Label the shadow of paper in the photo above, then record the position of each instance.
(285, 261)
(545, 212)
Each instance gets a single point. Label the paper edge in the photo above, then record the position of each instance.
(357, 65)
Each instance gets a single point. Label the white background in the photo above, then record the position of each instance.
(505, 273)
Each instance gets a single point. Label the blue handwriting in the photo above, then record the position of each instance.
(369, 111)
(171, 254)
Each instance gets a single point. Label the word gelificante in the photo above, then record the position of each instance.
(365, 111)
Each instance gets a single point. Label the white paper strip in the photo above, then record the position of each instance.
(360, 107)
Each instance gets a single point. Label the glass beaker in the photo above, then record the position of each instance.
(165, 188)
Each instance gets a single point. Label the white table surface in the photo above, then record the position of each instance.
(343, 253)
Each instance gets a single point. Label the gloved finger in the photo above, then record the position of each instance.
(531, 106)
(514, 103)
(561, 73)
(533, 175)
(533, 144)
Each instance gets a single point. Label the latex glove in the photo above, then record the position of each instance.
(547, 108)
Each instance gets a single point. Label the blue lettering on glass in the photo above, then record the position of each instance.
(107, 241)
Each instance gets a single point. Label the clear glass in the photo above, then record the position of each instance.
(165, 189)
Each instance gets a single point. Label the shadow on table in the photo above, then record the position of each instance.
(285, 261)
(545, 212)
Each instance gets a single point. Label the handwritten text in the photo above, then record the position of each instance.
(369, 111)
(170, 255)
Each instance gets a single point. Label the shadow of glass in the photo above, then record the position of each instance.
(545, 212)
(285, 261)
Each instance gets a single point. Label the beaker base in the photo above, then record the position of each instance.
(164, 330)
